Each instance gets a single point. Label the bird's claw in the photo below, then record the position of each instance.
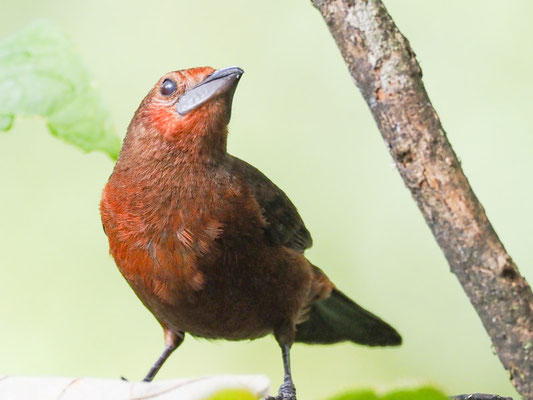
(283, 396)
(286, 392)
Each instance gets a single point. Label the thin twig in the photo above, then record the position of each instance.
(64, 390)
(385, 69)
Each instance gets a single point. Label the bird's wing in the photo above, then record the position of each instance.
(284, 224)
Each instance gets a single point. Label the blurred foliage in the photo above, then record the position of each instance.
(232, 394)
(425, 393)
(41, 74)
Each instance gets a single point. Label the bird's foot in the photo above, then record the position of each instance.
(282, 396)
(286, 392)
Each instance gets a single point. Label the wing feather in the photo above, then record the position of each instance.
(284, 224)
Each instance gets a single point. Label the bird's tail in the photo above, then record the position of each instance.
(337, 319)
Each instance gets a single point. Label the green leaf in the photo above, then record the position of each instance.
(233, 394)
(42, 74)
(6, 120)
(425, 393)
(356, 395)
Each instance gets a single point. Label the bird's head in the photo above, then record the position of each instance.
(190, 108)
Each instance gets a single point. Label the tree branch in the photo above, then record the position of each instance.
(479, 396)
(385, 69)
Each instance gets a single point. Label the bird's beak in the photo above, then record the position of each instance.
(221, 81)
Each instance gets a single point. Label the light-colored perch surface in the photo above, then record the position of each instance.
(56, 388)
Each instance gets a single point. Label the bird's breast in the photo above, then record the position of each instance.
(192, 254)
(166, 239)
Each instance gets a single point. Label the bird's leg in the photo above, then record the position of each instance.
(287, 391)
(159, 363)
(172, 341)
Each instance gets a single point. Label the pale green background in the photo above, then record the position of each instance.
(65, 310)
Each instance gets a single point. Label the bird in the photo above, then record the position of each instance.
(209, 244)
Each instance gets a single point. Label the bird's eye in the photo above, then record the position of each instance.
(168, 87)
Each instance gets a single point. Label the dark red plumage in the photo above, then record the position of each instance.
(209, 244)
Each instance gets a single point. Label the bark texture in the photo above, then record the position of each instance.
(385, 69)
(479, 396)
